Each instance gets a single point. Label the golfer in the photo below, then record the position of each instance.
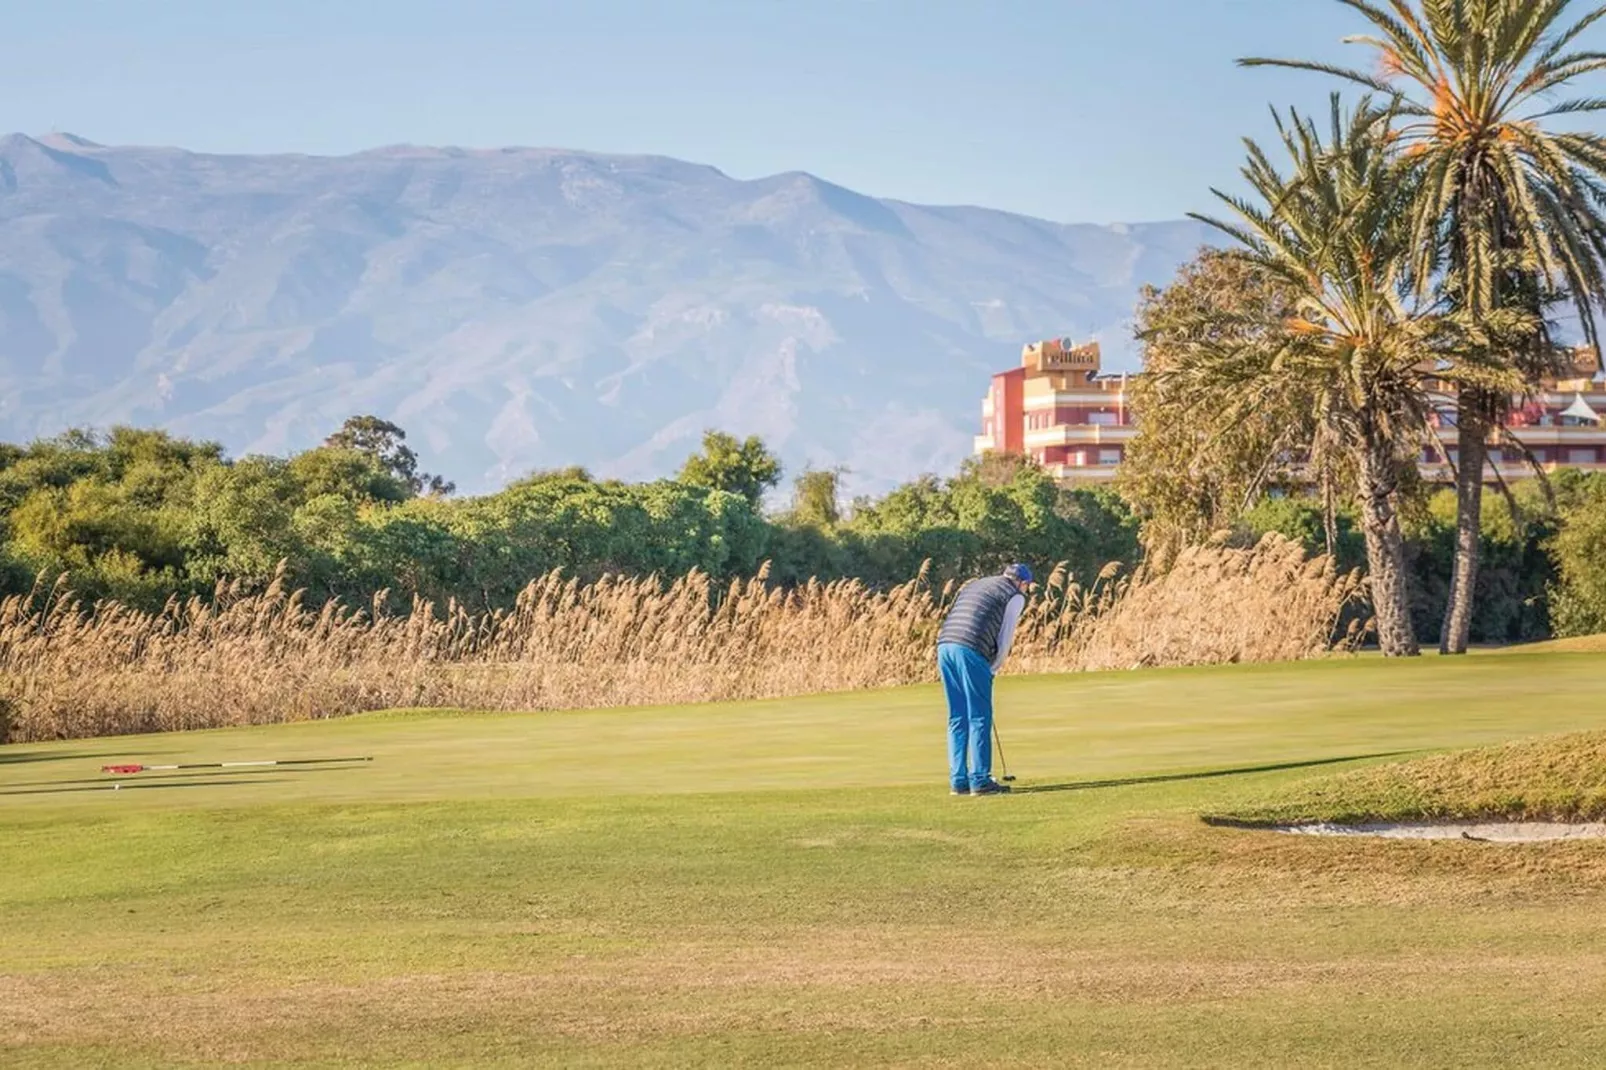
(971, 648)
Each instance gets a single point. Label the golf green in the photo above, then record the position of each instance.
(789, 883)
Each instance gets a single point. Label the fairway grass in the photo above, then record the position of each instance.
(1578, 644)
(1551, 779)
(789, 883)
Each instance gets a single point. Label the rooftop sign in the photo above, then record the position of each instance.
(1061, 355)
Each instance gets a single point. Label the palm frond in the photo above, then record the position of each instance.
(1358, 77)
(1579, 106)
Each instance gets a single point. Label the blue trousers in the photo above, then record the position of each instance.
(968, 681)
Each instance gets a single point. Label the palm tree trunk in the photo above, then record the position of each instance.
(1329, 518)
(1385, 556)
(1472, 432)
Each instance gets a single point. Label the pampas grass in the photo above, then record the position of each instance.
(70, 670)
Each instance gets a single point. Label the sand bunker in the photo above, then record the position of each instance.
(1491, 831)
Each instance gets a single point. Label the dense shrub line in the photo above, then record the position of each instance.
(139, 516)
(1543, 569)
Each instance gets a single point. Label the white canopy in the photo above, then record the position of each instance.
(1580, 410)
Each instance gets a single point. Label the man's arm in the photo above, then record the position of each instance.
(1006, 631)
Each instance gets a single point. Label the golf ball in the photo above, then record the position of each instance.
(117, 787)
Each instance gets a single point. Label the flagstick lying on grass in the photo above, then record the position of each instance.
(135, 768)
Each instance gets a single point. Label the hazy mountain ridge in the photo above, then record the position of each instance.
(523, 308)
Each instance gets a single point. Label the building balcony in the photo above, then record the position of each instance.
(1079, 435)
(1510, 469)
(1083, 473)
(1037, 397)
(1537, 435)
(1562, 394)
(1532, 435)
(1437, 472)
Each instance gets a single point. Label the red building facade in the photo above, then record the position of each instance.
(1060, 409)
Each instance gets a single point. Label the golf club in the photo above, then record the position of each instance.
(136, 768)
(998, 745)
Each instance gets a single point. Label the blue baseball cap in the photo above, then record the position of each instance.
(1019, 573)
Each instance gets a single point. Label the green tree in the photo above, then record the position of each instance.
(1305, 520)
(72, 528)
(995, 468)
(241, 527)
(746, 468)
(572, 473)
(1185, 473)
(1579, 550)
(996, 510)
(387, 444)
(1506, 208)
(139, 515)
(1515, 575)
(156, 467)
(816, 498)
(1336, 231)
(343, 472)
(110, 508)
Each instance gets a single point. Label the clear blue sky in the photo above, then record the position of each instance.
(1077, 110)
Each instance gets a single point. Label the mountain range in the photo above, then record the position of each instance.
(519, 309)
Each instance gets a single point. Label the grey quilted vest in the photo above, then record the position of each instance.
(978, 614)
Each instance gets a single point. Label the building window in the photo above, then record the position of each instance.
(1102, 419)
(1581, 456)
(1110, 456)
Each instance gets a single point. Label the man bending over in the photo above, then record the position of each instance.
(971, 648)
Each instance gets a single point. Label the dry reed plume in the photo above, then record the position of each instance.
(68, 670)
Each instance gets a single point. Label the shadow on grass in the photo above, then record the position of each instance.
(1090, 785)
(126, 786)
(201, 774)
(14, 758)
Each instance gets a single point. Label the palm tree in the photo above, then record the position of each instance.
(1507, 207)
(1354, 358)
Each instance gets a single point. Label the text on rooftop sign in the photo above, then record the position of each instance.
(1063, 354)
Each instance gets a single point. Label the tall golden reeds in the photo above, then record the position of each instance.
(71, 670)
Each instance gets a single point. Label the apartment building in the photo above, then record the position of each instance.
(1061, 409)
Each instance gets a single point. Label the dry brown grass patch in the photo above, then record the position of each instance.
(69, 670)
(807, 985)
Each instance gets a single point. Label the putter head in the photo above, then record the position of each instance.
(1008, 778)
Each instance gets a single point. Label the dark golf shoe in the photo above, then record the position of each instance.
(992, 787)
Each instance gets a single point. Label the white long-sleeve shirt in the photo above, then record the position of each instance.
(1006, 630)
